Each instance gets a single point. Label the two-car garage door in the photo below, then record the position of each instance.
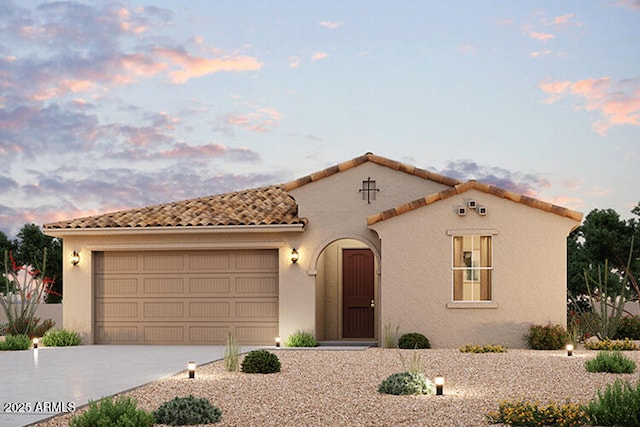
(186, 297)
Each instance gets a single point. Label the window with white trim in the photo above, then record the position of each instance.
(472, 267)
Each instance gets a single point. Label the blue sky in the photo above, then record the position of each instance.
(114, 105)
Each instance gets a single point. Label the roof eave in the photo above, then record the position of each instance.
(265, 228)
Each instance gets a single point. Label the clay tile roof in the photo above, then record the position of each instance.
(370, 157)
(260, 206)
(469, 185)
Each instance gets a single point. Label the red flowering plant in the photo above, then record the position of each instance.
(23, 291)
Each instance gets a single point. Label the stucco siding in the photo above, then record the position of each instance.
(529, 274)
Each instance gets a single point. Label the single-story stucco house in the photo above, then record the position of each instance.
(341, 252)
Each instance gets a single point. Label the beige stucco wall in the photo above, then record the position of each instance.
(44, 311)
(529, 275)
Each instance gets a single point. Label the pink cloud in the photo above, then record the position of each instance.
(631, 4)
(537, 54)
(541, 36)
(294, 61)
(562, 19)
(193, 66)
(319, 55)
(330, 24)
(617, 102)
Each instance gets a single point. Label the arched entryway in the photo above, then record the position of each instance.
(346, 292)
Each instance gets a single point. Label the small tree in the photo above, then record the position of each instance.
(24, 291)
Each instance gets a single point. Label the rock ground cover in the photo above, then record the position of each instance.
(319, 387)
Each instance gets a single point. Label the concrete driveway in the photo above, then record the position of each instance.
(48, 381)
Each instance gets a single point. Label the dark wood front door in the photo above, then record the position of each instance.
(357, 293)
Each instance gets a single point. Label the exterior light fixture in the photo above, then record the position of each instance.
(277, 341)
(75, 258)
(35, 341)
(569, 349)
(191, 367)
(439, 380)
(294, 256)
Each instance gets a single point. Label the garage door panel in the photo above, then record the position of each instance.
(120, 310)
(212, 310)
(163, 285)
(163, 310)
(192, 297)
(258, 334)
(209, 285)
(256, 310)
(257, 285)
(119, 334)
(117, 286)
(210, 261)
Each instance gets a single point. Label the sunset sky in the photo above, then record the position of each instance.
(114, 105)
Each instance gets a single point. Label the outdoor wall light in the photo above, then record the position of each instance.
(277, 341)
(36, 341)
(569, 349)
(439, 380)
(294, 256)
(75, 258)
(191, 367)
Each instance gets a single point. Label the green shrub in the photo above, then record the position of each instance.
(547, 337)
(489, 348)
(524, 413)
(624, 345)
(618, 405)
(628, 327)
(231, 354)
(301, 339)
(260, 362)
(187, 411)
(413, 340)
(613, 362)
(105, 412)
(60, 338)
(16, 342)
(404, 383)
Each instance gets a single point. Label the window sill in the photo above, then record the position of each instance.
(472, 304)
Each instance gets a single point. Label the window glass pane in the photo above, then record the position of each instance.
(472, 261)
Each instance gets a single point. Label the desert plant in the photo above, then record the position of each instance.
(415, 364)
(413, 340)
(301, 339)
(21, 299)
(617, 405)
(621, 345)
(15, 342)
(546, 337)
(628, 327)
(105, 412)
(60, 338)
(610, 361)
(390, 335)
(404, 383)
(260, 362)
(489, 348)
(231, 354)
(611, 303)
(186, 411)
(525, 413)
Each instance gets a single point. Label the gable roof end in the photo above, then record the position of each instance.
(370, 157)
(474, 185)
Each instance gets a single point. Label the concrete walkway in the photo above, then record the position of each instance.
(48, 381)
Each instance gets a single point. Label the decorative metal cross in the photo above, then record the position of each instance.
(368, 187)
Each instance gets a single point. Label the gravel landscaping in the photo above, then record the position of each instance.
(325, 387)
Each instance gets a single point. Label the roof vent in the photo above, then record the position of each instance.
(482, 210)
(471, 204)
(461, 210)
